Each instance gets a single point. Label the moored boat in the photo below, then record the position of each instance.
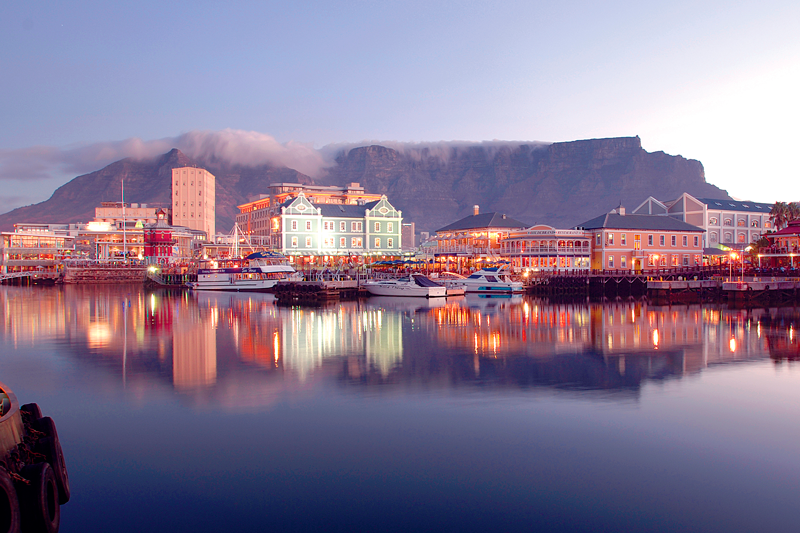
(260, 272)
(492, 280)
(414, 285)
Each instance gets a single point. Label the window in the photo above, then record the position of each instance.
(623, 240)
(741, 223)
(610, 261)
(696, 241)
(308, 242)
(713, 221)
(754, 224)
(697, 260)
(390, 243)
(610, 239)
(728, 222)
(308, 225)
(377, 226)
(597, 239)
(389, 227)
(649, 240)
(741, 237)
(377, 242)
(328, 242)
(686, 240)
(674, 260)
(664, 260)
(342, 241)
(662, 240)
(637, 242)
(342, 226)
(685, 260)
(327, 225)
(623, 262)
(294, 225)
(355, 242)
(355, 226)
(294, 242)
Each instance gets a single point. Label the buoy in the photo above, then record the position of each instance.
(10, 521)
(38, 499)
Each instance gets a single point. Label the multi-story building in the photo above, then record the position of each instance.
(131, 215)
(36, 247)
(474, 237)
(311, 230)
(194, 199)
(642, 242)
(546, 248)
(730, 223)
(257, 217)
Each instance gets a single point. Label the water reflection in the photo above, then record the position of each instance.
(241, 342)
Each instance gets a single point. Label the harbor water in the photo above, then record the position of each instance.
(182, 411)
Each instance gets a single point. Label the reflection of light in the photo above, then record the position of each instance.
(276, 344)
(152, 302)
(655, 338)
(98, 334)
(732, 344)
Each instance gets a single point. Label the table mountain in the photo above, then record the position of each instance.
(561, 184)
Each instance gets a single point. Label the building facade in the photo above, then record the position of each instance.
(544, 248)
(313, 230)
(257, 217)
(642, 242)
(475, 237)
(131, 215)
(194, 199)
(729, 223)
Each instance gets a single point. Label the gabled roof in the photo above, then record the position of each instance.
(736, 205)
(638, 222)
(484, 220)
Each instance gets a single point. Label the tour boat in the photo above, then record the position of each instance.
(260, 273)
(491, 280)
(413, 285)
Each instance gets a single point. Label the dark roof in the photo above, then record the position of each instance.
(338, 210)
(640, 222)
(736, 205)
(485, 220)
(793, 228)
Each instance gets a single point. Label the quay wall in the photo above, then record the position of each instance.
(101, 274)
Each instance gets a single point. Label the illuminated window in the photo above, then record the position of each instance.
(623, 262)
(610, 261)
(356, 242)
(377, 242)
(342, 226)
(294, 242)
(623, 240)
(390, 243)
(389, 227)
(377, 226)
(610, 239)
(308, 242)
(342, 241)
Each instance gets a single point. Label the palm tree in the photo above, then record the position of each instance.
(779, 215)
(792, 211)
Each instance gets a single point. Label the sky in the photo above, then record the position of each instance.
(84, 83)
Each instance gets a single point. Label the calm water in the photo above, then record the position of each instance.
(206, 412)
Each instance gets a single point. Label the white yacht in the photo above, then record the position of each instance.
(489, 281)
(413, 285)
(260, 272)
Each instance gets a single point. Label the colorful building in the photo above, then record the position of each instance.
(544, 248)
(642, 242)
(328, 230)
(474, 239)
(194, 199)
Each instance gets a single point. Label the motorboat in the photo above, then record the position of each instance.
(490, 280)
(260, 272)
(413, 285)
(451, 281)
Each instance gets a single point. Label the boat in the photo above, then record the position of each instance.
(451, 281)
(413, 285)
(490, 280)
(260, 272)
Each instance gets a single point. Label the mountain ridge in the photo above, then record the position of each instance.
(560, 184)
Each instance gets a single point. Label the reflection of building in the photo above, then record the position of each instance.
(194, 351)
(194, 199)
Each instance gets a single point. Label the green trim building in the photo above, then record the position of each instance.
(307, 229)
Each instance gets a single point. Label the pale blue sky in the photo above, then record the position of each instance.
(714, 81)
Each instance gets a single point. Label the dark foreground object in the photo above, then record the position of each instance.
(33, 474)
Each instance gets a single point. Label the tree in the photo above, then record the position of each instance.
(779, 215)
(792, 211)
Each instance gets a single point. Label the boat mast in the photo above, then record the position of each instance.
(124, 239)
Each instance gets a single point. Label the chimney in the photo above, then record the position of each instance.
(475, 209)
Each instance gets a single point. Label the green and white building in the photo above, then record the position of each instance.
(304, 229)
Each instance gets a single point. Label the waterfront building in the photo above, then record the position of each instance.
(474, 239)
(784, 246)
(305, 229)
(642, 242)
(194, 199)
(257, 217)
(729, 223)
(129, 215)
(158, 241)
(544, 248)
(36, 247)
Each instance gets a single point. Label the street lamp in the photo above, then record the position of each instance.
(731, 259)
